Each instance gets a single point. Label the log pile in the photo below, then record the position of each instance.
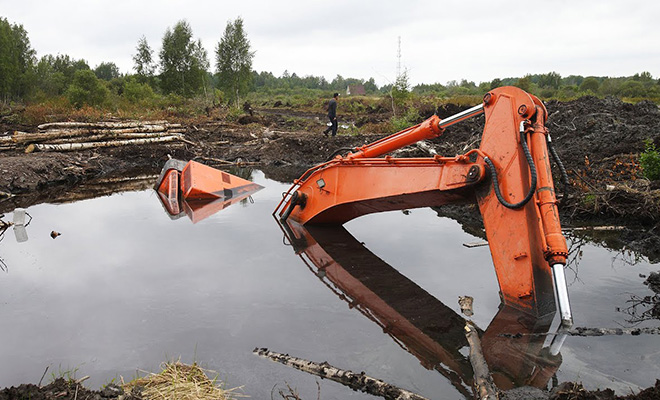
(71, 136)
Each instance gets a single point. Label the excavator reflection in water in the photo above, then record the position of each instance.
(420, 323)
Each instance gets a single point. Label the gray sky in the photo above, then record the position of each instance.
(477, 40)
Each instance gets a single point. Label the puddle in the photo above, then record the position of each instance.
(125, 287)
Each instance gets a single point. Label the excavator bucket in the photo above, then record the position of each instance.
(199, 191)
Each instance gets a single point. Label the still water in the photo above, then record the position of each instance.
(125, 287)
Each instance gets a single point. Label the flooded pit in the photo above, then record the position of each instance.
(126, 287)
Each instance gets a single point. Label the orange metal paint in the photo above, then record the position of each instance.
(199, 181)
(522, 241)
(342, 191)
(200, 191)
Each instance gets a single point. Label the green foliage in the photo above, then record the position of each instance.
(410, 118)
(183, 62)
(495, 83)
(524, 83)
(86, 89)
(53, 75)
(590, 84)
(233, 60)
(136, 92)
(107, 71)
(650, 161)
(551, 80)
(16, 61)
(632, 89)
(400, 91)
(144, 64)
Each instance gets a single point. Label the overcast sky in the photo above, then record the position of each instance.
(477, 40)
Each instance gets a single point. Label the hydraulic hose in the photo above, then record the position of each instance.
(562, 169)
(336, 152)
(532, 172)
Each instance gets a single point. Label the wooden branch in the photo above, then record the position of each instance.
(484, 386)
(355, 381)
(92, 145)
(225, 162)
(595, 228)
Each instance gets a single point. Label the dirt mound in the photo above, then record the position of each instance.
(64, 390)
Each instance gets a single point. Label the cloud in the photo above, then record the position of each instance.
(440, 41)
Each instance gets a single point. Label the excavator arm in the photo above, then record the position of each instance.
(509, 177)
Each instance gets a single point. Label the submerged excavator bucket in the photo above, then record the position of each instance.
(199, 191)
(509, 176)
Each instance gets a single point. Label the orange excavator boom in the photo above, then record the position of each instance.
(509, 176)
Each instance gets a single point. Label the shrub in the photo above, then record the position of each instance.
(410, 118)
(86, 89)
(650, 161)
(136, 92)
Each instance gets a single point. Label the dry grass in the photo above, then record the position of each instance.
(181, 382)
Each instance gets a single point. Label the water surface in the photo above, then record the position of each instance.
(125, 288)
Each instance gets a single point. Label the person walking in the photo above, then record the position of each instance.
(332, 115)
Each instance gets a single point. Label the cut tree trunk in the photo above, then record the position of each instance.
(27, 137)
(104, 125)
(105, 137)
(92, 145)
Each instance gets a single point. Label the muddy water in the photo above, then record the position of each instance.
(126, 287)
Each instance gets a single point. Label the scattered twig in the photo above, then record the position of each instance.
(42, 376)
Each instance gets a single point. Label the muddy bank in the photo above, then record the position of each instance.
(72, 390)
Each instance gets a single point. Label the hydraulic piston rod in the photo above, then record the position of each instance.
(561, 292)
(461, 116)
(432, 127)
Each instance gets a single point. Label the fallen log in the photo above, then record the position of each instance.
(29, 137)
(105, 137)
(484, 386)
(102, 124)
(360, 381)
(93, 145)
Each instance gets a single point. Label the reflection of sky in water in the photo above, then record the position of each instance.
(125, 287)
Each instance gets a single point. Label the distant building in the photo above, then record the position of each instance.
(355, 90)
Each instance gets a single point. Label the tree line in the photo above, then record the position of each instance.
(181, 70)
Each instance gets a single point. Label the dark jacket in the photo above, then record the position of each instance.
(332, 109)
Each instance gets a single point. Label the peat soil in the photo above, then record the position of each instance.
(598, 140)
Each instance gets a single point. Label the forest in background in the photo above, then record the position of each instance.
(179, 81)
